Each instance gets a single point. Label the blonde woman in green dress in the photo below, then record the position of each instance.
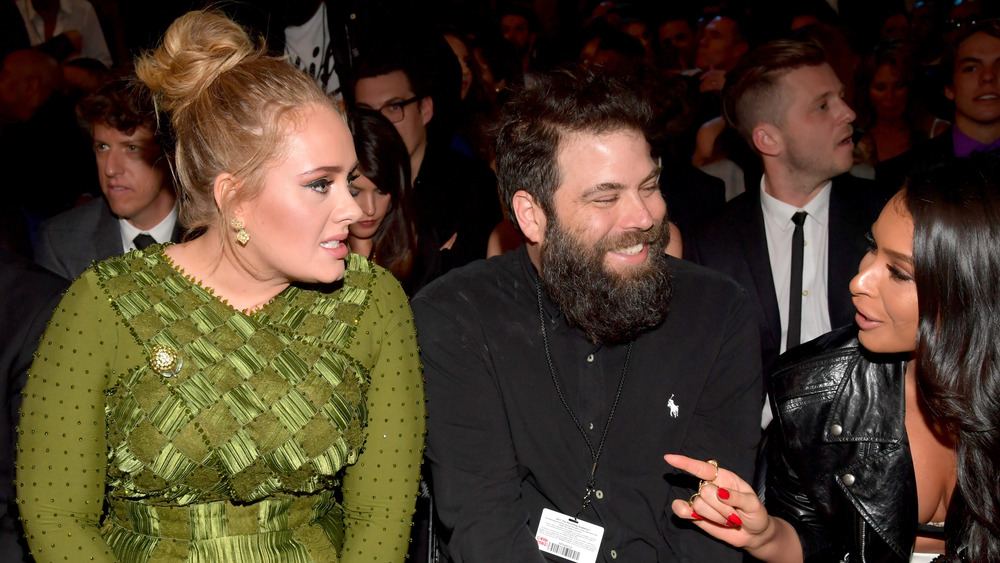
(254, 393)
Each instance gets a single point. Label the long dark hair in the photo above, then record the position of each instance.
(956, 255)
(383, 159)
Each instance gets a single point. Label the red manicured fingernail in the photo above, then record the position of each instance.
(695, 515)
(734, 520)
(723, 494)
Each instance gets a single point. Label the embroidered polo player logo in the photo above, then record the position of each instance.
(675, 410)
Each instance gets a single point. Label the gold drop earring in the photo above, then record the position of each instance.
(242, 236)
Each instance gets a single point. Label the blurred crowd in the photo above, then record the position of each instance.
(87, 152)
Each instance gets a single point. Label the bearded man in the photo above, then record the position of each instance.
(559, 374)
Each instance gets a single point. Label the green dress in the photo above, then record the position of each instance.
(160, 424)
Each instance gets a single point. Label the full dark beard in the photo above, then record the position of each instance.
(609, 307)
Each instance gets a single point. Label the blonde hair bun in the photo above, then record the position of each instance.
(197, 49)
(229, 104)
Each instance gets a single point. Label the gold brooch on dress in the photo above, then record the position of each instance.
(165, 361)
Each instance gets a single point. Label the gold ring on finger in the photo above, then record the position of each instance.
(691, 500)
(714, 464)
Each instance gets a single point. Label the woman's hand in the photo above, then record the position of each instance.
(725, 506)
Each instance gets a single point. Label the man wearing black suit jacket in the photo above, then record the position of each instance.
(139, 206)
(786, 101)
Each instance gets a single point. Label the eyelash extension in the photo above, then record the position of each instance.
(898, 274)
(894, 272)
(321, 184)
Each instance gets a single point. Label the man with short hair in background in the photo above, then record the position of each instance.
(139, 206)
(795, 241)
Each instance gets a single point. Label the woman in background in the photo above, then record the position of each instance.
(386, 233)
(252, 394)
(888, 111)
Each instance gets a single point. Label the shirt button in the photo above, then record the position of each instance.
(805, 243)
(591, 425)
(614, 554)
(836, 430)
(805, 293)
(590, 358)
(848, 479)
(599, 493)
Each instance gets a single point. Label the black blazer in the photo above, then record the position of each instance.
(734, 243)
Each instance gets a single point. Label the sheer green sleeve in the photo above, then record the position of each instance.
(62, 454)
(380, 490)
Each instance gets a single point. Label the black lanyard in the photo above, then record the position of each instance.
(594, 455)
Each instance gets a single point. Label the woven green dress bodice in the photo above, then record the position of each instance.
(260, 404)
(236, 447)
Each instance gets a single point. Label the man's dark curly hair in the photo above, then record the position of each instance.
(534, 121)
(122, 102)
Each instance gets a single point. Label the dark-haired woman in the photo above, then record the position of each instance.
(386, 233)
(884, 446)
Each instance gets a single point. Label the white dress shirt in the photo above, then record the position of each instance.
(73, 14)
(779, 228)
(162, 232)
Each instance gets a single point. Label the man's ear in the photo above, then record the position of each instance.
(767, 139)
(426, 109)
(949, 93)
(529, 216)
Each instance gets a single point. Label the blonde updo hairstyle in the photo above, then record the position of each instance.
(231, 106)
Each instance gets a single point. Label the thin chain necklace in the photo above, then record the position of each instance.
(594, 455)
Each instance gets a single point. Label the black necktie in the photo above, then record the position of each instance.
(143, 240)
(795, 287)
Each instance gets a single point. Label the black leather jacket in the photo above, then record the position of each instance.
(839, 465)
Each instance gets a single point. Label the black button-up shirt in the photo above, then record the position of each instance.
(502, 447)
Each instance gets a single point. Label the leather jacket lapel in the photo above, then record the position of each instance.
(868, 413)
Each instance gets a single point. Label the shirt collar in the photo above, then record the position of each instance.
(162, 232)
(966, 145)
(780, 213)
